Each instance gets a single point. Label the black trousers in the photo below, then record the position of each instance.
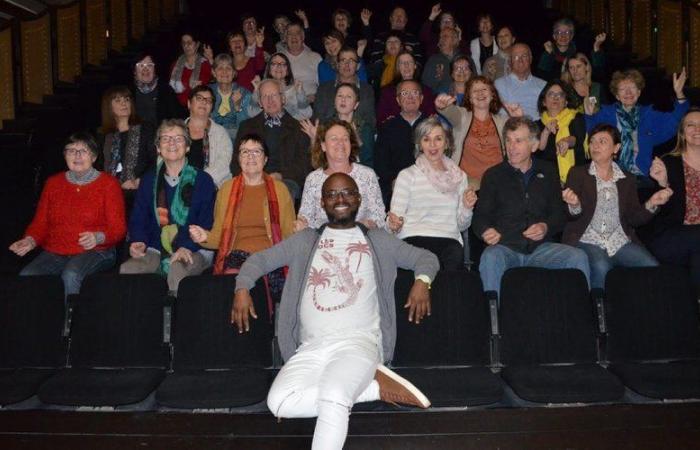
(680, 246)
(450, 252)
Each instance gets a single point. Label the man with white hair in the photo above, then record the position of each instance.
(304, 61)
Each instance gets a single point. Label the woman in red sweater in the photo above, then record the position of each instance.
(79, 220)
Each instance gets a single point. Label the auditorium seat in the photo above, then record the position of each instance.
(214, 366)
(117, 355)
(548, 338)
(447, 355)
(653, 341)
(32, 345)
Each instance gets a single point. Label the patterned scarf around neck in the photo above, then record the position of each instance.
(205, 143)
(176, 75)
(445, 182)
(178, 208)
(147, 88)
(131, 153)
(629, 122)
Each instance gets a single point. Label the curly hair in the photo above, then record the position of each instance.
(494, 106)
(623, 75)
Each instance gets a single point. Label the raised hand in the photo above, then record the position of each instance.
(361, 46)
(309, 128)
(365, 15)
(301, 14)
(570, 198)
(300, 223)
(442, 101)
(435, 11)
(548, 47)
(513, 109)
(208, 53)
(678, 83)
(260, 37)
(599, 39)
(563, 146)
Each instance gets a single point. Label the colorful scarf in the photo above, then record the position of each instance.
(178, 209)
(176, 75)
(228, 261)
(564, 119)
(629, 122)
(447, 181)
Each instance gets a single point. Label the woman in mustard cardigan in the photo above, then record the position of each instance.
(253, 212)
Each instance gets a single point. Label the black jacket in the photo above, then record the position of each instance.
(508, 206)
(672, 214)
(393, 151)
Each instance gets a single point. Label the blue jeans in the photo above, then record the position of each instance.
(496, 259)
(71, 268)
(630, 255)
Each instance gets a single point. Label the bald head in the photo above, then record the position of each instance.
(340, 198)
(521, 60)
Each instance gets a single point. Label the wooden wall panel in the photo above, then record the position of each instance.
(617, 21)
(169, 10)
(580, 11)
(7, 79)
(694, 62)
(641, 28)
(37, 76)
(669, 50)
(118, 24)
(95, 31)
(138, 19)
(153, 14)
(68, 43)
(598, 14)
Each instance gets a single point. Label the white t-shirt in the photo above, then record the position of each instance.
(341, 290)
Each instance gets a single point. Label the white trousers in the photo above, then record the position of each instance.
(324, 379)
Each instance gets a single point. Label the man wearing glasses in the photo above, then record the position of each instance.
(557, 52)
(337, 316)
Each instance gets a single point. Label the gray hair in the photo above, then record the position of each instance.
(564, 23)
(425, 127)
(174, 123)
(223, 58)
(514, 123)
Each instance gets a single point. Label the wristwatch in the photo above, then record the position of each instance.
(425, 279)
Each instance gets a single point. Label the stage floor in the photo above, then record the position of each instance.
(663, 426)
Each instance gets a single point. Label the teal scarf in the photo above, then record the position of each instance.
(629, 122)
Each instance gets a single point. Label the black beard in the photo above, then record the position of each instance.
(344, 222)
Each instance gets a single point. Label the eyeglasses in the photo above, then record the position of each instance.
(410, 93)
(554, 94)
(270, 96)
(76, 151)
(145, 65)
(461, 69)
(203, 99)
(346, 193)
(563, 33)
(521, 57)
(348, 61)
(178, 139)
(255, 153)
(278, 64)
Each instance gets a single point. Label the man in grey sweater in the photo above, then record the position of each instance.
(337, 316)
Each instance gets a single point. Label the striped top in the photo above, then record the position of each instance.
(426, 211)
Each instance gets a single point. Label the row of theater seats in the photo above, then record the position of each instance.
(547, 340)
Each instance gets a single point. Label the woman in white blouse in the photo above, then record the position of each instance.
(336, 149)
(432, 204)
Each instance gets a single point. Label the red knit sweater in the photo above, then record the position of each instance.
(65, 210)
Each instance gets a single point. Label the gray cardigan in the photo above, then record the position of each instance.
(297, 253)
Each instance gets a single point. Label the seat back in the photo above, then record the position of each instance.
(546, 316)
(651, 313)
(32, 312)
(118, 322)
(457, 332)
(203, 336)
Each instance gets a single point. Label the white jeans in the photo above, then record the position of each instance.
(325, 378)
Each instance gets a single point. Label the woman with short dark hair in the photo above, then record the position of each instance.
(79, 219)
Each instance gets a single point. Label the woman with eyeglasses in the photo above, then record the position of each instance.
(210, 147)
(461, 70)
(128, 144)
(296, 102)
(253, 211)
(171, 197)
(336, 149)
(563, 136)
(231, 100)
(432, 205)
(79, 219)
(190, 70)
(406, 69)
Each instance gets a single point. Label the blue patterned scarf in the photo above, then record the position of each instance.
(629, 122)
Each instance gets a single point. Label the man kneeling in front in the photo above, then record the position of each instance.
(337, 316)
